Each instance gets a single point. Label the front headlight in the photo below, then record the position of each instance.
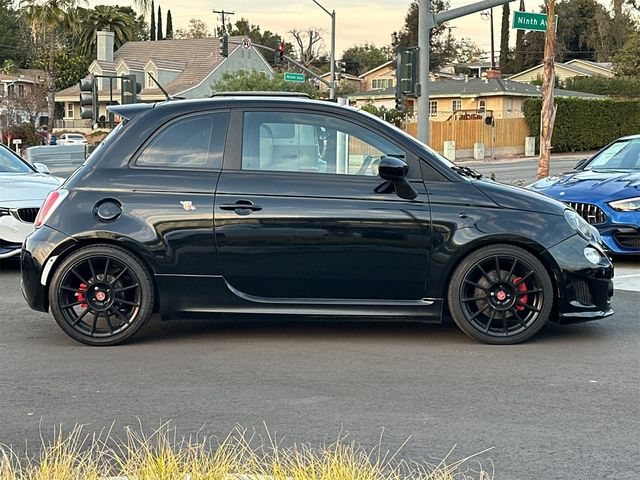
(626, 205)
(579, 224)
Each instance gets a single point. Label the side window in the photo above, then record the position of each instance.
(192, 142)
(304, 142)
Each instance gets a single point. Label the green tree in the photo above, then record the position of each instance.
(244, 28)
(440, 46)
(258, 82)
(518, 57)
(361, 58)
(9, 28)
(169, 25)
(152, 27)
(46, 18)
(627, 61)
(393, 116)
(105, 17)
(141, 28)
(465, 50)
(159, 34)
(197, 29)
(504, 59)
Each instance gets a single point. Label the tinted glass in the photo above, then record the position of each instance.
(307, 142)
(193, 142)
(9, 163)
(623, 155)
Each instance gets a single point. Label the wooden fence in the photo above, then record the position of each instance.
(506, 133)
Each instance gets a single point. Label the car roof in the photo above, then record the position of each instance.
(629, 137)
(131, 110)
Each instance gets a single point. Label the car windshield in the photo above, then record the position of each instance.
(621, 155)
(10, 163)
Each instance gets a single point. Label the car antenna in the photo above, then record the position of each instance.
(166, 94)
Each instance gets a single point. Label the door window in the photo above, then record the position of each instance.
(192, 142)
(305, 142)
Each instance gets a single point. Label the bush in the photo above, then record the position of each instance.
(612, 87)
(25, 132)
(583, 124)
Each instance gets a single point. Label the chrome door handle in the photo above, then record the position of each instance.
(241, 205)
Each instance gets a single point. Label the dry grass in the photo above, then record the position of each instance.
(242, 455)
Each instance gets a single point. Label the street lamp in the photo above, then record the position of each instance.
(332, 87)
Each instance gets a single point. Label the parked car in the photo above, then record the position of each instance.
(605, 191)
(71, 139)
(23, 188)
(289, 206)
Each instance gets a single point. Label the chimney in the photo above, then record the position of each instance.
(104, 45)
(494, 74)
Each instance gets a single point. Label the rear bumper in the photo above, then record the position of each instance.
(40, 253)
(584, 289)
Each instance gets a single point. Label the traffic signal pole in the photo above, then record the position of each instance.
(427, 20)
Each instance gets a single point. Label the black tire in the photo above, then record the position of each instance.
(501, 295)
(101, 295)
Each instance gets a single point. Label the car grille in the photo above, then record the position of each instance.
(591, 213)
(28, 215)
(582, 292)
(629, 240)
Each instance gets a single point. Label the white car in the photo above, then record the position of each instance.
(71, 139)
(23, 188)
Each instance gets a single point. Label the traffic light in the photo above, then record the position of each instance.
(280, 53)
(224, 44)
(342, 69)
(407, 72)
(89, 98)
(129, 90)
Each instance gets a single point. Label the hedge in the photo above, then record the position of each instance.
(585, 124)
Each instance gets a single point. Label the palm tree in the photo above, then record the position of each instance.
(105, 17)
(46, 17)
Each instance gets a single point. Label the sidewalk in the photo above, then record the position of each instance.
(568, 156)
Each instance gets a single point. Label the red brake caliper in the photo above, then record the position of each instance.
(524, 298)
(81, 292)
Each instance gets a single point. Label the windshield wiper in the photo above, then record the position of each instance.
(466, 171)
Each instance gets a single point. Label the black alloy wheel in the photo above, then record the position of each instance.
(101, 295)
(500, 294)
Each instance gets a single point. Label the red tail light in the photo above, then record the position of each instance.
(50, 204)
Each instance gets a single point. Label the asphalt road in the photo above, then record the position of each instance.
(564, 405)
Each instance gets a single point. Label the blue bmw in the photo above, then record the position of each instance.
(605, 191)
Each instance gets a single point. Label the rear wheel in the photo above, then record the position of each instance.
(101, 295)
(500, 294)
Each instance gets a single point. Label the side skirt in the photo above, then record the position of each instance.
(192, 296)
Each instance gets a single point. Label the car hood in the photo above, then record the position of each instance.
(518, 198)
(26, 186)
(587, 184)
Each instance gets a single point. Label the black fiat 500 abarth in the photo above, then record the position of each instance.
(280, 205)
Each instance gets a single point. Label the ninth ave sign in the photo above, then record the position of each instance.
(531, 21)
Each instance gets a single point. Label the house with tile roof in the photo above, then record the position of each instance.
(23, 96)
(570, 69)
(186, 68)
(470, 98)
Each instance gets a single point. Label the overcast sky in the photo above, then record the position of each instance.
(357, 21)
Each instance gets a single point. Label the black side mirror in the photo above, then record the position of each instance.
(395, 171)
(580, 164)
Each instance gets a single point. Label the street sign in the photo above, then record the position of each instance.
(294, 77)
(246, 43)
(532, 21)
(17, 141)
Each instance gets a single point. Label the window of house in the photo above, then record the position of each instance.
(69, 111)
(381, 83)
(482, 106)
(192, 142)
(149, 83)
(11, 90)
(433, 108)
(509, 104)
(21, 90)
(311, 143)
(1, 88)
(456, 105)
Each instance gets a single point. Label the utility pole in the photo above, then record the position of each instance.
(426, 21)
(489, 16)
(222, 13)
(548, 113)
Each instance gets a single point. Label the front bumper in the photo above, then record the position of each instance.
(621, 239)
(584, 289)
(13, 231)
(40, 252)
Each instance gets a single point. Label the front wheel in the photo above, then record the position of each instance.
(500, 294)
(101, 295)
